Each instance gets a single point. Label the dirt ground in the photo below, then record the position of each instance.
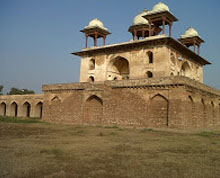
(43, 150)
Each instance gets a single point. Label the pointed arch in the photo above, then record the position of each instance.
(55, 99)
(26, 109)
(173, 58)
(55, 108)
(39, 109)
(3, 109)
(93, 110)
(92, 64)
(203, 109)
(186, 69)
(118, 68)
(213, 111)
(14, 109)
(190, 108)
(159, 96)
(159, 110)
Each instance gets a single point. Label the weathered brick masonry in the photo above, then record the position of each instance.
(162, 102)
(152, 80)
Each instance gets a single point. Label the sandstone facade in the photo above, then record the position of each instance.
(176, 102)
(22, 105)
(150, 81)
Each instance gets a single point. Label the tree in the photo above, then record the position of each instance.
(1, 88)
(16, 91)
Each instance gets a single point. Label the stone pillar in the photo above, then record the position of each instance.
(86, 41)
(104, 38)
(170, 29)
(149, 27)
(95, 40)
(163, 26)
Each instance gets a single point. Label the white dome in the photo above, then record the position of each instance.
(190, 32)
(160, 7)
(96, 23)
(140, 20)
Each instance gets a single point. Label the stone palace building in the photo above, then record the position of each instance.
(153, 80)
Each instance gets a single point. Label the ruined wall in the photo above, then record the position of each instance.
(175, 102)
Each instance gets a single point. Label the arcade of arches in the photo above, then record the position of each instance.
(124, 102)
(21, 109)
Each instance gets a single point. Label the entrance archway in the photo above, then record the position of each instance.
(39, 110)
(93, 112)
(26, 109)
(118, 69)
(190, 108)
(159, 110)
(3, 109)
(14, 109)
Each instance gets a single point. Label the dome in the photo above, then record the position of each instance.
(96, 23)
(140, 20)
(190, 32)
(160, 7)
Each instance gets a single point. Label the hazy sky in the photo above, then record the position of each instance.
(37, 36)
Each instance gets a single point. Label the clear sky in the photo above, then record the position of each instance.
(37, 36)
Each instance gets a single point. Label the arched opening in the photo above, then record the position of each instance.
(14, 109)
(186, 69)
(91, 79)
(118, 69)
(55, 108)
(55, 100)
(93, 112)
(3, 109)
(149, 74)
(91, 64)
(39, 109)
(191, 109)
(173, 58)
(203, 110)
(150, 57)
(159, 110)
(26, 109)
(213, 110)
(171, 74)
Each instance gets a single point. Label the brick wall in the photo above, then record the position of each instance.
(174, 102)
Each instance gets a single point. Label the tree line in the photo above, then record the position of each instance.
(16, 91)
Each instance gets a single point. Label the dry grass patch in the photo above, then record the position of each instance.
(65, 151)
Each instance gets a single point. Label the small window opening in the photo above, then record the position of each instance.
(91, 79)
(149, 74)
(150, 57)
(92, 64)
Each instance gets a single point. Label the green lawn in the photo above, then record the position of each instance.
(46, 150)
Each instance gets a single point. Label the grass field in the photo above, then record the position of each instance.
(35, 149)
